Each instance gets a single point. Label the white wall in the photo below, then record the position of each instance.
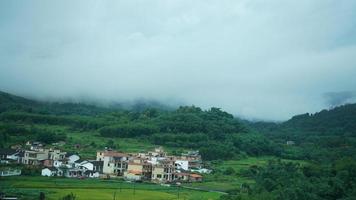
(46, 172)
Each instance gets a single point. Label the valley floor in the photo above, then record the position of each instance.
(213, 186)
(95, 189)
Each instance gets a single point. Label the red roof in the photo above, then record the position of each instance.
(196, 176)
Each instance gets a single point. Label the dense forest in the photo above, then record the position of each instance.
(327, 140)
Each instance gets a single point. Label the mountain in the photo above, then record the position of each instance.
(12, 102)
(340, 120)
(187, 127)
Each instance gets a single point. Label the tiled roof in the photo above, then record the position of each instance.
(196, 176)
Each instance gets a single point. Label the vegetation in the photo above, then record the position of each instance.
(250, 160)
(66, 188)
(186, 127)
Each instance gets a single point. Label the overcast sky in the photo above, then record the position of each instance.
(253, 58)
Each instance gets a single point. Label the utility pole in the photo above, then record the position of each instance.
(134, 191)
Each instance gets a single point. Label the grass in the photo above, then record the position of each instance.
(56, 188)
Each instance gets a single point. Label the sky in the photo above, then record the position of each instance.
(256, 59)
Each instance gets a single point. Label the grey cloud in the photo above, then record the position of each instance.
(256, 59)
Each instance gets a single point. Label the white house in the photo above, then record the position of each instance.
(10, 172)
(49, 171)
(114, 163)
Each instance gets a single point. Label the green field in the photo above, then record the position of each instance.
(222, 182)
(56, 188)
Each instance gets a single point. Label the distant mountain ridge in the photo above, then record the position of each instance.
(13, 102)
(340, 120)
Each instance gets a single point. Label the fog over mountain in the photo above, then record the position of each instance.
(255, 59)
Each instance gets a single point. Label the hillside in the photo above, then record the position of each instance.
(249, 160)
(332, 131)
(187, 127)
(340, 120)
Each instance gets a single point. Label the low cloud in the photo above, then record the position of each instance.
(259, 60)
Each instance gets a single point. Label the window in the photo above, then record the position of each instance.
(159, 176)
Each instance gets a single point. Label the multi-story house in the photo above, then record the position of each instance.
(115, 163)
(56, 154)
(139, 167)
(163, 171)
(34, 157)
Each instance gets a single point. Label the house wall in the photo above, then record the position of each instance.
(100, 156)
(132, 177)
(34, 157)
(114, 167)
(157, 173)
(134, 167)
(46, 172)
(108, 167)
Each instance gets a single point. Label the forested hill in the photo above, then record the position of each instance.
(324, 136)
(337, 121)
(340, 120)
(186, 127)
(9, 102)
(325, 140)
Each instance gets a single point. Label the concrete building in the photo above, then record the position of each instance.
(34, 157)
(114, 163)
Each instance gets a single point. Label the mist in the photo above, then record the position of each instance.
(255, 59)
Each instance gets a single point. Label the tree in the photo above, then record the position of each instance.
(70, 196)
(42, 196)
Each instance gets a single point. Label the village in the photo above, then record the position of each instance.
(153, 166)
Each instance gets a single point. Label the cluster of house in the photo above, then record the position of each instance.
(155, 166)
(54, 162)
